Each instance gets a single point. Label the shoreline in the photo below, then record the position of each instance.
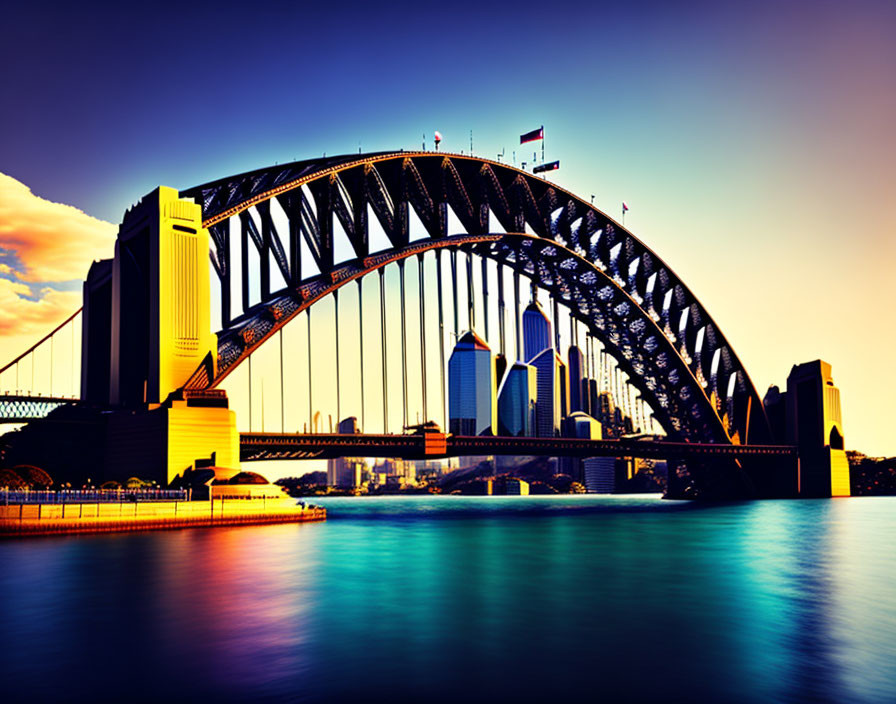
(34, 520)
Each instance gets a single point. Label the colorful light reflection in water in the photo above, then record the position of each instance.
(485, 599)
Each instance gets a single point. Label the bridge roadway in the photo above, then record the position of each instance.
(271, 446)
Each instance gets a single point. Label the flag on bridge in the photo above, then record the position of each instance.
(532, 136)
(624, 207)
(551, 166)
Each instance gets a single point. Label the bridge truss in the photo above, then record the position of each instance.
(288, 237)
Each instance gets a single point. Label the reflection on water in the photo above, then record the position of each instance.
(485, 598)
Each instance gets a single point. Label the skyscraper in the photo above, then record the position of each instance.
(606, 414)
(517, 399)
(472, 408)
(577, 401)
(551, 385)
(536, 331)
(563, 384)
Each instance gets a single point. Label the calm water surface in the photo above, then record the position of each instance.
(486, 598)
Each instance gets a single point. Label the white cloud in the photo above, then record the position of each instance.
(52, 241)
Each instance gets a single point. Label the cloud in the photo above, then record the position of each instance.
(51, 242)
(23, 317)
(45, 244)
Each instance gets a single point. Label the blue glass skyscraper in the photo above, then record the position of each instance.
(536, 332)
(551, 384)
(472, 408)
(517, 401)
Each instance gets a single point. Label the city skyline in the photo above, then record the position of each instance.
(744, 166)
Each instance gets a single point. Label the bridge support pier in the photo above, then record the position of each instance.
(150, 306)
(161, 444)
(765, 477)
(808, 415)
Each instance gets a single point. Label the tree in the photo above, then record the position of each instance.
(11, 480)
(33, 476)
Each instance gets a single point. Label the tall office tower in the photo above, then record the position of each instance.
(593, 398)
(472, 408)
(517, 398)
(577, 401)
(814, 424)
(536, 332)
(563, 382)
(548, 405)
(606, 414)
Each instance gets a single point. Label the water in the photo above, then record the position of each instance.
(466, 598)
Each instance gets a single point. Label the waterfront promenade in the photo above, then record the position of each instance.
(34, 519)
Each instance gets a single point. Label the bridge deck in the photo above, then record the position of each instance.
(263, 446)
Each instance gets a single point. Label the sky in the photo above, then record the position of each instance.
(752, 141)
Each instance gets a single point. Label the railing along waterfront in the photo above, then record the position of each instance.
(93, 496)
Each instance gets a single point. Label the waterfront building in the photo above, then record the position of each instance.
(578, 425)
(346, 472)
(550, 382)
(472, 408)
(536, 331)
(600, 475)
(517, 487)
(517, 399)
(393, 466)
(815, 425)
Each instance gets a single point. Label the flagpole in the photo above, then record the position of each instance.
(542, 145)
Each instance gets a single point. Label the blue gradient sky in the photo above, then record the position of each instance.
(753, 141)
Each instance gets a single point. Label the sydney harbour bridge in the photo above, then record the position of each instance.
(338, 287)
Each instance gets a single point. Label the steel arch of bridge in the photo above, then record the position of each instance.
(646, 317)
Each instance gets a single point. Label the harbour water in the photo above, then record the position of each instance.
(466, 598)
